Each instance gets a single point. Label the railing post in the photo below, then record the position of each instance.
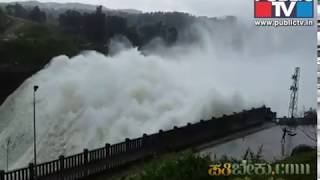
(85, 156)
(31, 171)
(61, 162)
(107, 149)
(146, 146)
(127, 145)
(61, 167)
(2, 173)
(145, 142)
(107, 160)
(160, 145)
(85, 162)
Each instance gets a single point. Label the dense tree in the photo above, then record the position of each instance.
(17, 10)
(36, 47)
(159, 30)
(3, 20)
(116, 25)
(95, 26)
(71, 21)
(98, 29)
(172, 35)
(37, 15)
(133, 35)
(87, 30)
(172, 19)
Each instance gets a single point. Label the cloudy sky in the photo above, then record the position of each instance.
(242, 8)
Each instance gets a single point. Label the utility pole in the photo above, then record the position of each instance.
(292, 113)
(293, 105)
(35, 88)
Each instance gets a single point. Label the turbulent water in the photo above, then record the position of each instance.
(91, 99)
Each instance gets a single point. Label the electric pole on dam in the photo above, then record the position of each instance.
(290, 130)
(293, 105)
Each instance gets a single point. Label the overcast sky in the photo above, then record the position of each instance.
(242, 8)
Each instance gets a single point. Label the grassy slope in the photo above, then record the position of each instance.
(15, 25)
(36, 43)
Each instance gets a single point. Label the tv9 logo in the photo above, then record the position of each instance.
(283, 8)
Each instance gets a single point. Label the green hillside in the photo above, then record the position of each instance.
(35, 43)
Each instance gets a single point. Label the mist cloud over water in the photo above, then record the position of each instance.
(91, 99)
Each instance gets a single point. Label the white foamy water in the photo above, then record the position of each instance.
(89, 100)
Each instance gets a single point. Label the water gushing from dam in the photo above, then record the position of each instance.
(91, 99)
